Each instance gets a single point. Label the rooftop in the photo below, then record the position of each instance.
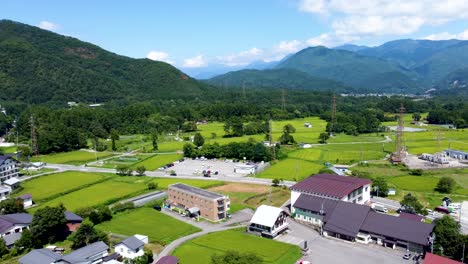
(9, 220)
(40, 256)
(314, 204)
(347, 218)
(413, 217)
(266, 215)
(330, 185)
(435, 259)
(72, 217)
(85, 253)
(168, 260)
(132, 243)
(196, 191)
(4, 157)
(26, 196)
(11, 181)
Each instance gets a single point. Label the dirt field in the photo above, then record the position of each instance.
(241, 188)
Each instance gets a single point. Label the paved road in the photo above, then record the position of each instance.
(391, 204)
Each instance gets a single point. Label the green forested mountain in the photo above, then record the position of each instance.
(455, 83)
(38, 66)
(277, 78)
(358, 71)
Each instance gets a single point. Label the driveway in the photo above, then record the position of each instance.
(391, 204)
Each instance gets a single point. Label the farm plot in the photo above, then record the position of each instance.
(154, 162)
(200, 250)
(59, 183)
(78, 157)
(159, 227)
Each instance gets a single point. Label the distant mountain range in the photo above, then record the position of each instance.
(400, 66)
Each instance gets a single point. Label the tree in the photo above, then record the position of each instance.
(288, 128)
(11, 206)
(25, 152)
(189, 150)
(323, 137)
(140, 170)
(275, 182)
(234, 127)
(189, 126)
(381, 185)
(286, 138)
(27, 241)
(147, 258)
(448, 237)
(213, 135)
(49, 224)
(234, 257)
(411, 203)
(124, 170)
(86, 234)
(154, 140)
(114, 135)
(416, 116)
(445, 185)
(100, 214)
(152, 186)
(3, 248)
(198, 140)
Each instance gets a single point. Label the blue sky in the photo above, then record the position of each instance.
(200, 33)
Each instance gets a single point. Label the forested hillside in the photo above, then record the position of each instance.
(38, 66)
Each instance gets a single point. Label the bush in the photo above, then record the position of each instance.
(121, 207)
(445, 185)
(275, 182)
(140, 170)
(152, 186)
(416, 172)
(124, 170)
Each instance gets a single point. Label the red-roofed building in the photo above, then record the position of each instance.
(335, 187)
(435, 259)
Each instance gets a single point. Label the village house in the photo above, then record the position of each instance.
(198, 202)
(132, 247)
(268, 221)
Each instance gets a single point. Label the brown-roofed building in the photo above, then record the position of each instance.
(195, 201)
(435, 259)
(330, 186)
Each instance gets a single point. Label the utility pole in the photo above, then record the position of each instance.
(34, 147)
(283, 100)
(270, 137)
(333, 116)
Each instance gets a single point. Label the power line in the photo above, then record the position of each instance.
(34, 147)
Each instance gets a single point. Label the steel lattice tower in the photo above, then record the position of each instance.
(333, 115)
(34, 147)
(399, 154)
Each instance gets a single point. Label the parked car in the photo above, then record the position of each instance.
(173, 173)
(441, 209)
(157, 207)
(379, 208)
(407, 255)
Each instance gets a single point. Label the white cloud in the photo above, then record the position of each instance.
(159, 56)
(385, 17)
(242, 58)
(48, 25)
(289, 46)
(445, 35)
(195, 62)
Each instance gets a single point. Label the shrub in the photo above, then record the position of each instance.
(445, 185)
(121, 207)
(152, 186)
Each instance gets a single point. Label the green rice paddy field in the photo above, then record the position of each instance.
(200, 250)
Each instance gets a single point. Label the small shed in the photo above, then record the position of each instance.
(245, 169)
(27, 200)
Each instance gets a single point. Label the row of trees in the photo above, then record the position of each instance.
(235, 150)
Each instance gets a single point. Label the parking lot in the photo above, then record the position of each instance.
(336, 251)
(223, 168)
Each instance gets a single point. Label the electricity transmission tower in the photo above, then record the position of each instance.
(34, 147)
(400, 151)
(333, 116)
(283, 100)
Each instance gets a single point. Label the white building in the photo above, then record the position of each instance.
(269, 221)
(335, 187)
(245, 169)
(8, 167)
(305, 145)
(132, 247)
(14, 223)
(27, 200)
(4, 192)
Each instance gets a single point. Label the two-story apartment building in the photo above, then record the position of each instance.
(209, 205)
(8, 167)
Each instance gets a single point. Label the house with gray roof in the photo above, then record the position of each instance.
(14, 223)
(90, 254)
(131, 247)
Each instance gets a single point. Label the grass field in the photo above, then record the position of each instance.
(200, 250)
(78, 157)
(54, 184)
(159, 227)
(154, 162)
(8, 150)
(102, 193)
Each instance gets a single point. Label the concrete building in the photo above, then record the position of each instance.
(4, 192)
(335, 187)
(8, 168)
(245, 169)
(210, 205)
(269, 221)
(132, 247)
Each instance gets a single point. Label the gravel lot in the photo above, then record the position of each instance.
(191, 167)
